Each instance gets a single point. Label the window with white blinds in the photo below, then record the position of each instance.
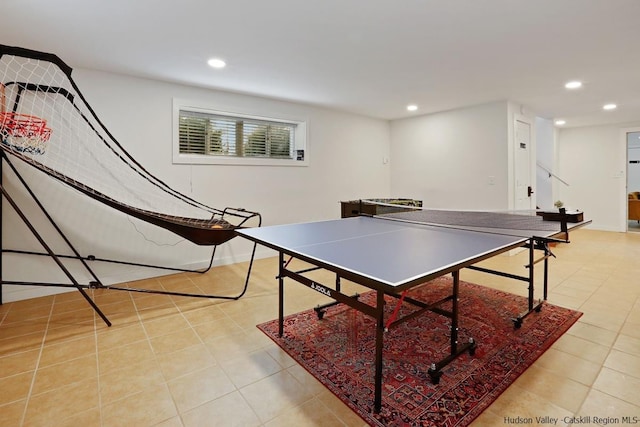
(208, 136)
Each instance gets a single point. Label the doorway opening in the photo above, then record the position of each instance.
(633, 181)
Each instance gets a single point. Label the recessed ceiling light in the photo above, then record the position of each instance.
(216, 63)
(573, 84)
(561, 122)
(610, 107)
(412, 107)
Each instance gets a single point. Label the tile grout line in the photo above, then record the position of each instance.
(95, 341)
(610, 349)
(35, 370)
(155, 355)
(237, 389)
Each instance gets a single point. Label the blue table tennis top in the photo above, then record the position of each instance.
(389, 252)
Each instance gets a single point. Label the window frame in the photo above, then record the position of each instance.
(300, 139)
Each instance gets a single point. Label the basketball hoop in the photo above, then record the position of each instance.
(24, 133)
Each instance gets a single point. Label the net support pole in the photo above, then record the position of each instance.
(1, 221)
(50, 219)
(96, 281)
(53, 255)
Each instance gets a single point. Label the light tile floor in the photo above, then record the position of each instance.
(174, 361)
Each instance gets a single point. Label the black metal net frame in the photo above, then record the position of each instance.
(212, 228)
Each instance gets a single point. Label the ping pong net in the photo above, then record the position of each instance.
(526, 223)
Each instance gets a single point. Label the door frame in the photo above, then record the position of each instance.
(532, 159)
(624, 183)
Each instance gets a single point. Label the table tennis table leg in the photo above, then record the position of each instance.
(545, 282)
(545, 275)
(456, 349)
(454, 312)
(533, 305)
(281, 295)
(377, 404)
(531, 275)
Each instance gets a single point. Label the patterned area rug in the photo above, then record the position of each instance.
(338, 351)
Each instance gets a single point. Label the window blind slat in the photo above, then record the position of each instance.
(219, 135)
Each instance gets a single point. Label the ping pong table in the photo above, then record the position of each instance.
(392, 253)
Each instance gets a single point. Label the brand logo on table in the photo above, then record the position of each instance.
(322, 289)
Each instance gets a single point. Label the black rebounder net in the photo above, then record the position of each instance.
(46, 122)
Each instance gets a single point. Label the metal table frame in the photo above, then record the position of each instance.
(382, 289)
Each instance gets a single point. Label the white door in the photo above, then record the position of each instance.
(524, 191)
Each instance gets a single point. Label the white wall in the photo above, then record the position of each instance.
(593, 161)
(345, 154)
(460, 159)
(446, 159)
(545, 155)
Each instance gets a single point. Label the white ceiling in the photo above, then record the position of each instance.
(371, 57)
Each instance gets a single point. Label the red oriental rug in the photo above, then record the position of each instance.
(338, 351)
